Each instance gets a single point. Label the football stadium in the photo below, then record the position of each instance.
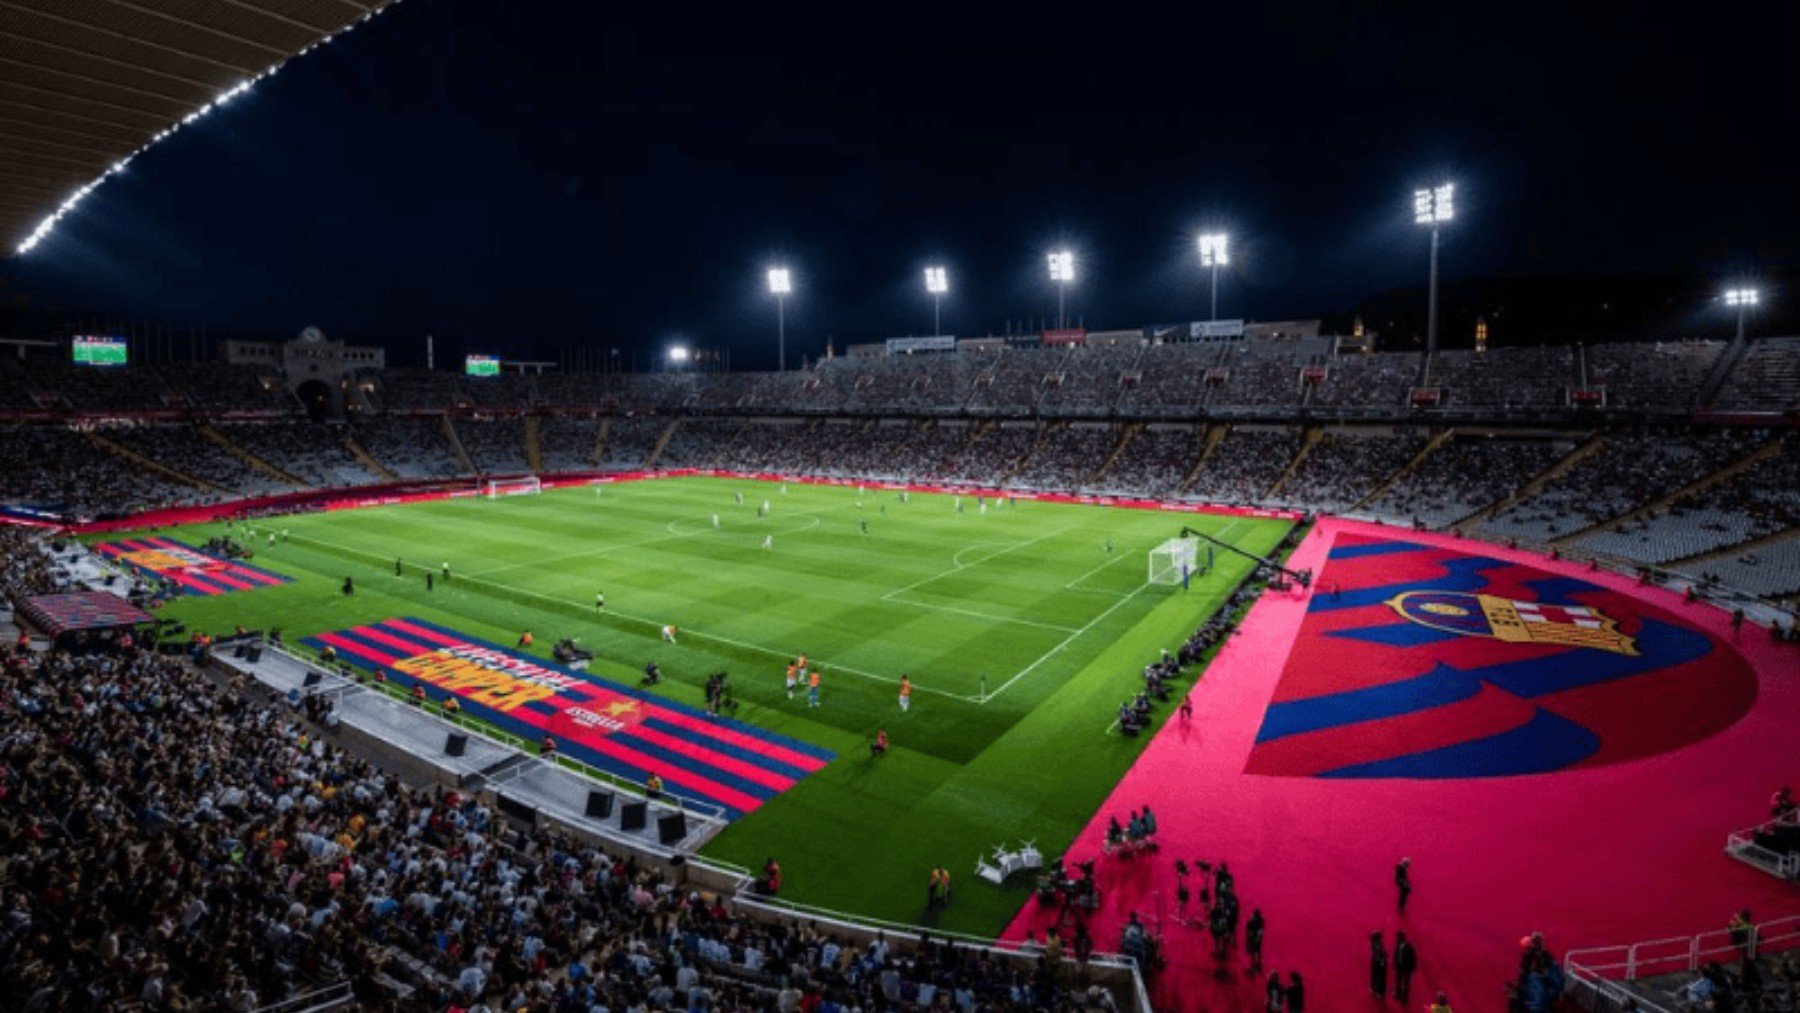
(1438, 653)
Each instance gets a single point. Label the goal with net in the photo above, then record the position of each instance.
(1174, 560)
(498, 487)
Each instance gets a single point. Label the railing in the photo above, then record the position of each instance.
(1742, 846)
(329, 997)
(1114, 962)
(1598, 970)
(710, 818)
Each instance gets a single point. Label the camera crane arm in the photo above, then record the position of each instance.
(1300, 577)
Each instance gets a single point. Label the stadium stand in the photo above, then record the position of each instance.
(568, 442)
(1503, 377)
(495, 446)
(1627, 472)
(1246, 464)
(1767, 378)
(1759, 501)
(313, 452)
(1347, 465)
(1665, 376)
(1467, 474)
(1122, 417)
(59, 469)
(184, 449)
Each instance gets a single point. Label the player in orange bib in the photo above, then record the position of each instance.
(905, 693)
(793, 678)
(812, 689)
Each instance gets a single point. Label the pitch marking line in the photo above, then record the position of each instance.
(675, 536)
(656, 625)
(958, 566)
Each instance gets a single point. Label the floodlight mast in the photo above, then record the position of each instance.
(780, 284)
(937, 282)
(1062, 271)
(1743, 299)
(1433, 207)
(1212, 254)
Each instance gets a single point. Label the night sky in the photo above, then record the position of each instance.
(523, 178)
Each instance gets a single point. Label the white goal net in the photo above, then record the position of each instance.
(1174, 560)
(498, 487)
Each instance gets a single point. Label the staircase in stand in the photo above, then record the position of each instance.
(456, 447)
(1210, 438)
(534, 444)
(1536, 485)
(120, 450)
(662, 442)
(1307, 443)
(367, 460)
(256, 463)
(1768, 449)
(598, 454)
(1418, 461)
(1127, 433)
(1037, 444)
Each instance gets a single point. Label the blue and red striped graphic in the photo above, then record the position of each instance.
(195, 572)
(720, 761)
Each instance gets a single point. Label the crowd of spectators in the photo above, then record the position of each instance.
(1154, 463)
(1664, 376)
(1068, 457)
(1523, 377)
(409, 447)
(1246, 464)
(174, 844)
(1760, 500)
(313, 452)
(629, 441)
(50, 467)
(1345, 466)
(186, 450)
(1767, 378)
(568, 442)
(495, 446)
(1627, 472)
(1466, 474)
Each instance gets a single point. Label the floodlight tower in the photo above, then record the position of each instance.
(1062, 271)
(1744, 299)
(1212, 254)
(678, 356)
(937, 282)
(1433, 207)
(781, 283)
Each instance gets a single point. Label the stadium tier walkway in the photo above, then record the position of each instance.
(1589, 854)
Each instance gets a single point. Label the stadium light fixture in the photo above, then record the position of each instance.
(781, 284)
(1433, 207)
(1744, 299)
(1213, 255)
(937, 282)
(1062, 271)
(679, 354)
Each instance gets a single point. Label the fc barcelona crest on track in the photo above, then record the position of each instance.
(1518, 622)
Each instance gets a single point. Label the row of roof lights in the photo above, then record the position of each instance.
(69, 203)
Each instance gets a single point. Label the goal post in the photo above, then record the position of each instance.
(1174, 560)
(528, 485)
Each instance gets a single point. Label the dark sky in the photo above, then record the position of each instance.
(523, 177)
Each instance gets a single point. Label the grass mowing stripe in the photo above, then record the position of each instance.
(859, 834)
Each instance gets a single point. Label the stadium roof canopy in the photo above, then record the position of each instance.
(86, 84)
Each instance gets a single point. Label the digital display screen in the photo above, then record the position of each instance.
(97, 351)
(481, 365)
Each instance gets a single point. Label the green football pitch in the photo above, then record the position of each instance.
(1023, 627)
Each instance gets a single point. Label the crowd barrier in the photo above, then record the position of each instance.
(1600, 975)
